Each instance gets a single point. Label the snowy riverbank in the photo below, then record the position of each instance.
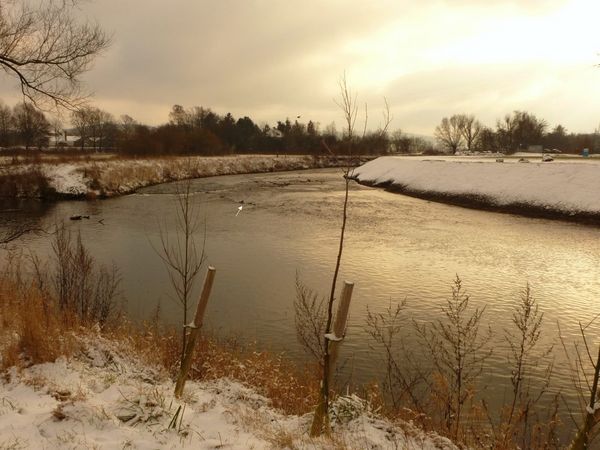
(103, 397)
(543, 189)
(91, 178)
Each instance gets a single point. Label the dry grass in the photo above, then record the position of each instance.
(291, 390)
(108, 175)
(29, 183)
(31, 327)
(33, 330)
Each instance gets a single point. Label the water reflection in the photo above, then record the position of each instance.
(397, 248)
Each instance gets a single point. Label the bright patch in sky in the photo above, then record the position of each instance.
(272, 60)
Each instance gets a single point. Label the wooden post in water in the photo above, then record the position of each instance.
(195, 329)
(321, 418)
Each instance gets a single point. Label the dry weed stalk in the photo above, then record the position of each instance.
(458, 352)
(520, 424)
(310, 320)
(401, 384)
(80, 286)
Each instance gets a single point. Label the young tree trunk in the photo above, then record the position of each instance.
(321, 419)
(581, 441)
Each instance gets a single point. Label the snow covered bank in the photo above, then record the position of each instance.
(111, 177)
(105, 398)
(553, 189)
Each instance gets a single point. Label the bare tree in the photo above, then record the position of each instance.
(470, 130)
(387, 118)
(403, 143)
(505, 131)
(57, 129)
(93, 124)
(31, 125)
(180, 254)
(6, 124)
(349, 107)
(81, 118)
(448, 133)
(47, 47)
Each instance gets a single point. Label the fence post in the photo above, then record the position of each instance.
(195, 329)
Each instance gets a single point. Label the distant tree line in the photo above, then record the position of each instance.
(23, 125)
(189, 131)
(200, 131)
(514, 132)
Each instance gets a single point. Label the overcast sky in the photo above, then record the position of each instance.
(272, 59)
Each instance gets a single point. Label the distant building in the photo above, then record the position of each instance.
(64, 140)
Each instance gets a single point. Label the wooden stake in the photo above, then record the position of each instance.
(195, 329)
(339, 327)
(334, 340)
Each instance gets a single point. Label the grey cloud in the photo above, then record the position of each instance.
(271, 59)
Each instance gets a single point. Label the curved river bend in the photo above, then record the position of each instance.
(397, 248)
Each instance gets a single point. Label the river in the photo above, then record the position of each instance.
(397, 248)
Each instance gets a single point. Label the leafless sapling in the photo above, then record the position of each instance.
(182, 256)
(349, 107)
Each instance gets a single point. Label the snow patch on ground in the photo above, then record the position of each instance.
(66, 179)
(111, 177)
(565, 187)
(102, 398)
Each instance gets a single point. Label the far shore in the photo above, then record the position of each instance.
(101, 177)
(563, 190)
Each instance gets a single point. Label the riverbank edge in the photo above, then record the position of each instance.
(113, 384)
(484, 203)
(89, 180)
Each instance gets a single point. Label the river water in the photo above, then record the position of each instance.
(397, 248)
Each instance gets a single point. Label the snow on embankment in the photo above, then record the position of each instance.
(113, 177)
(561, 190)
(102, 398)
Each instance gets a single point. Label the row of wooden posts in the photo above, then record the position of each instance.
(335, 339)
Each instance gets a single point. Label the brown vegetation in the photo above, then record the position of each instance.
(108, 176)
(32, 183)
(35, 329)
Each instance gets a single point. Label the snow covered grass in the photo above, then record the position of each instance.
(107, 177)
(86, 387)
(561, 189)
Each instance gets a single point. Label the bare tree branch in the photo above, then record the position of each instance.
(15, 233)
(47, 49)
